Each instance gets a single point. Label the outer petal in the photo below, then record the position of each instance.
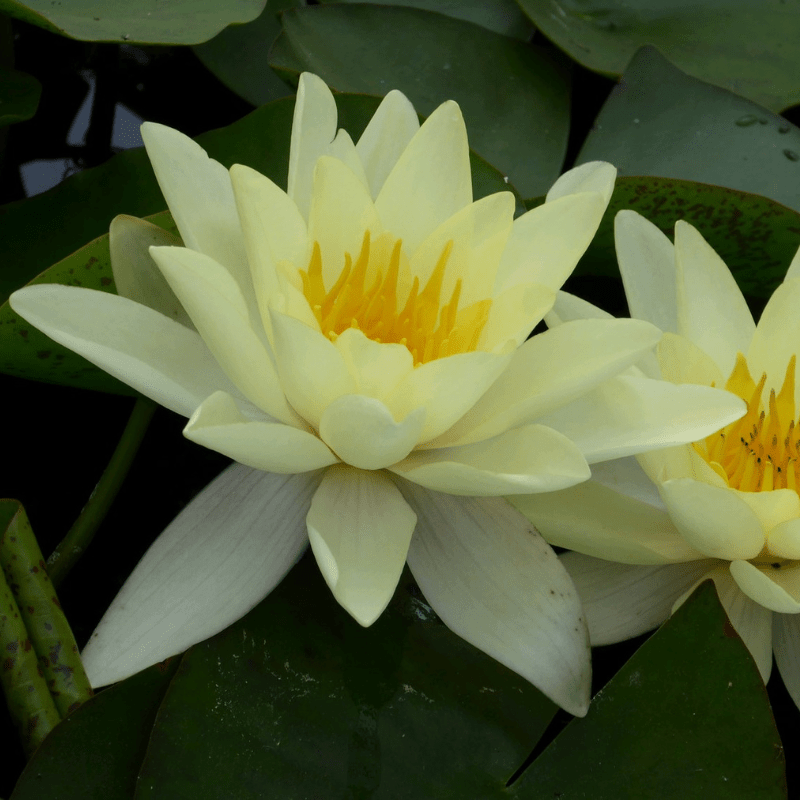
(528, 459)
(777, 589)
(568, 308)
(218, 309)
(135, 273)
(794, 268)
(628, 415)
(593, 176)
(715, 520)
(246, 435)
(387, 134)
(552, 369)
(784, 539)
(155, 355)
(431, 180)
(220, 556)
(363, 433)
(786, 640)
(600, 522)
(497, 584)
(647, 262)
(622, 601)
(359, 527)
(711, 309)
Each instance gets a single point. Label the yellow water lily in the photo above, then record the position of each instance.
(357, 344)
(725, 507)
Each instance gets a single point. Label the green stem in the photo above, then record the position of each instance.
(79, 536)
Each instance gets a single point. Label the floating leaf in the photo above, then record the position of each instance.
(19, 96)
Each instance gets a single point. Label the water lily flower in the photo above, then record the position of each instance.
(357, 345)
(647, 530)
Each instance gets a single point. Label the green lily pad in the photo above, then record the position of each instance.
(687, 716)
(19, 96)
(660, 121)
(750, 48)
(85, 204)
(297, 700)
(515, 97)
(145, 21)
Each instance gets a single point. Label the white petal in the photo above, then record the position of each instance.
(387, 134)
(157, 356)
(220, 556)
(794, 268)
(593, 176)
(784, 539)
(568, 307)
(513, 315)
(622, 601)
(597, 521)
(647, 263)
(216, 305)
(531, 458)
(552, 369)
(786, 642)
(243, 433)
(135, 273)
(431, 180)
(628, 415)
(496, 583)
(359, 527)
(777, 589)
(711, 310)
(714, 520)
(363, 433)
(626, 476)
(377, 368)
(682, 361)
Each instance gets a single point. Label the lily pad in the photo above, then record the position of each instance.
(687, 716)
(660, 121)
(145, 21)
(515, 97)
(19, 96)
(750, 48)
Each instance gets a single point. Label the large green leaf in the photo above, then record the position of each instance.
(19, 96)
(83, 206)
(297, 700)
(659, 121)
(686, 717)
(751, 48)
(515, 98)
(145, 21)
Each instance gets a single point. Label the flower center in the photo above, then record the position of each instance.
(760, 451)
(365, 296)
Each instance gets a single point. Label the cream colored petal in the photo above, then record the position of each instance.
(447, 388)
(711, 310)
(343, 149)
(622, 601)
(552, 369)
(341, 211)
(783, 540)
(387, 134)
(775, 588)
(495, 582)
(135, 273)
(593, 176)
(568, 307)
(431, 180)
(628, 415)
(546, 243)
(786, 643)
(597, 521)
(626, 476)
(199, 194)
(681, 361)
(363, 433)
(157, 356)
(477, 235)
(773, 508)
(513, 315)
(776, 338)
(647, 263)
(273, 229)
(221, 556)
(528, 459)
(359, 527)
(313, 130)
(794, 268)
(377, 368)
(249, 437)
(214, 302)
(716, 521)
(312, 371)
(682, 461)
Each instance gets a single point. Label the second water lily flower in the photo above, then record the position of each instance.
(357, 345)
